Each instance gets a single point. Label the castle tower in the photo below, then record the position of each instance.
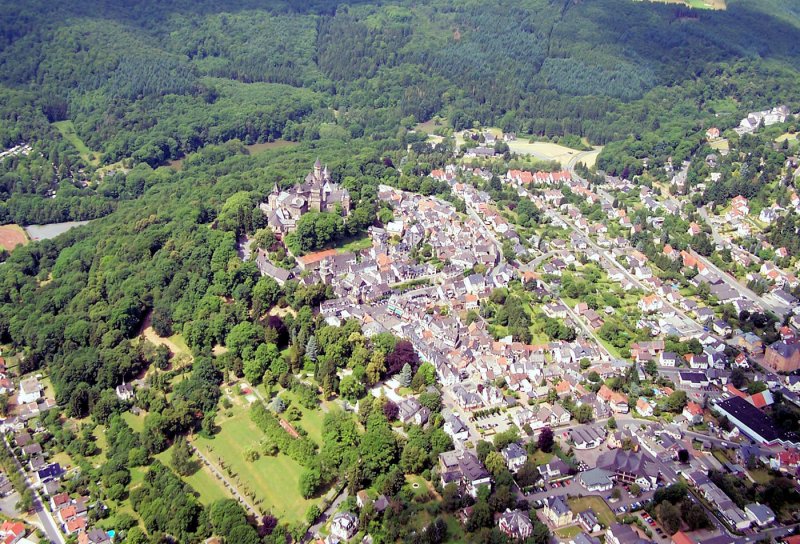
(317, 169)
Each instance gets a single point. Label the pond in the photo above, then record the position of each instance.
(46, 232)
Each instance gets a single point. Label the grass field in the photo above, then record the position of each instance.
(356, 244)
(540, 458)
(274, 480)
(208, 487)
(136, 422)
(12, 236)
(604, 513)
(761, 476)
(255, 149)
(67, 130)
(720, 145)
(567, 533)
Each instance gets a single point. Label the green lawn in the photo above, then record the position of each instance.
(540, 458)
(761, 476)
(67, 130)
(311, 420)
(567, 533)
(274, 480)
(136, 422)
(356, 244)
(604, 513)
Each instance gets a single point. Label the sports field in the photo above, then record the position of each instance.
(11, 236)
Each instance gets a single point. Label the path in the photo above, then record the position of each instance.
(150, 335)
(48, 523)
(325, 516)
(221, 477)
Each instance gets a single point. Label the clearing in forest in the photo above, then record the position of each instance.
(12, 236)
(67, 130)
(275, 481)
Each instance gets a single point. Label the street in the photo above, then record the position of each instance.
(48, 523)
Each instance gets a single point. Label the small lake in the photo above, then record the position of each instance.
(45, 232)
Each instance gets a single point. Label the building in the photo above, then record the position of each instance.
(557, 511)
(344, 525)
(465, 470)
(783, 356)
(125, 392)
(619, 533)
(693, 413)
(596, 479)
(586, 438)
(759, 514)
(515, 456)
(630, 467)
(515, 524)
(588, 521)
(318, 193)
(11, 532)
(94, 536)
(754, 423)
(30, 390)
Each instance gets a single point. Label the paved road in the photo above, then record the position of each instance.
(743, 291)
(325, 516)
(48, 523)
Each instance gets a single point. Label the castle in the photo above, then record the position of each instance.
(318, 193)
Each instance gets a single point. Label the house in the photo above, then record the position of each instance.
(583, 538)
(30, 390)
(783, 357)
(759, 514)
(693, 413)
(682, 538)
(515, 524)
(94, 536)
(515, 456)
(465, 470)
(650, 303)
(644, 407)
(411, 411)
(456, 428)
(619, 533)
(344, 525)
(49, 472)
(588, 520)
(11, 532)
(554, 469)
(693, 380)
(668, 359)
(596, 479)
(557, 511)
(754, 423)
(124, 392)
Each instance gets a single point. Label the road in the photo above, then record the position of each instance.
(46, 519)
(581, 157)
(743, 291)
(325, 516)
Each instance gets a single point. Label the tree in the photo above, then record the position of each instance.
(545, 440)
(310, 481)
(390, 410)
(683, 456)
(376, 367)
(405, 375)
(351, 388)
(312, 348)
(402, 354)
(635, 489)
(182, 457)
(616, 493)
(611, 423)
(495, 463)
(738, 378)
(669, 516)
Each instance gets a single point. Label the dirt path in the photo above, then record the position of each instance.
(228, 485)
(150, 335)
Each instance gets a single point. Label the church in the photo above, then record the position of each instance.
(318, 193)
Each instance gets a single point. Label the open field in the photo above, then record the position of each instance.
(604, 513)
(136, 422)
(12, 236)
(274, 480)
(67, 130)
(356, 244)
(176, 344)
(720, 144)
